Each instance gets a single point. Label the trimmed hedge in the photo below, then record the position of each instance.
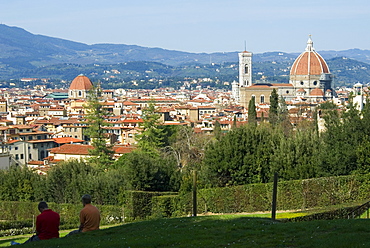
(138, 204)
(297, 194)
(340, 213)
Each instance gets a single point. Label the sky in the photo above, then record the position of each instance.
(198, 25)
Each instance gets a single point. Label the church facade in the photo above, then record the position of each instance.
(310, 80)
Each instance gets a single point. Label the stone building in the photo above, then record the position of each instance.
(310, 80)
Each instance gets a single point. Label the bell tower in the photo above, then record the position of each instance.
(245, 69)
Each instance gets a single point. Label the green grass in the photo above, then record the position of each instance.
(220, 231)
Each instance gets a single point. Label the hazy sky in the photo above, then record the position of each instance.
(198, 25)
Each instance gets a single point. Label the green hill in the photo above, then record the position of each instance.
(220, 231)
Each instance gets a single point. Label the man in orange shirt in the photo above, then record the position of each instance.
(89, 215)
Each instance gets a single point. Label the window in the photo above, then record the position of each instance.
(21, 156)
(16, 148)
(262, 99)
(16, 156)
(30, 156)
(79, 93)
(246, 69)
(315, 83)
(302, 83)
(287, 91)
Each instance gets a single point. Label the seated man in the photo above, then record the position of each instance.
(89, 217)
(47, 224)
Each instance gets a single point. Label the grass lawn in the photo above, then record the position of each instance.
(220, 231)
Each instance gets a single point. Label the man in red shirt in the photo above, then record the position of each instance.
(47, 224)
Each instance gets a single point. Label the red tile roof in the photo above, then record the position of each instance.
(81, 83)
(72, 149)
(66, 140)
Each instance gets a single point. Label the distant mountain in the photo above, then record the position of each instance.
(22, 49)
(23, 54)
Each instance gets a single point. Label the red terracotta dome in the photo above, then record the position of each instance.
(81, 82)
(309, 62)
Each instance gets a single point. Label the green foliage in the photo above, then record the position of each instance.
(274, 106)
(96, 129)
(20, 184)
(138, 204)
(217, 130)
(68, 181)
(295, 156)
(152, 135)
(149, 172)
(295, 194)
(242, 156)
(345, 141)
(252, 113)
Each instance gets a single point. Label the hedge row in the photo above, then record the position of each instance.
(340, 213)
(297, 194)
(138, 204)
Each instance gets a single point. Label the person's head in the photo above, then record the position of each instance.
(86, 199)
(42, 206)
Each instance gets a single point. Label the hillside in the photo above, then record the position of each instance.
(220, 231)
(149, 75)
(23, 54)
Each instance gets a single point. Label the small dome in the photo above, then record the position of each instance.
(309, 62)
(301, 90)
(81, 82)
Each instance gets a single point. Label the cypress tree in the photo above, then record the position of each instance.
(274, 105)
(252, 113)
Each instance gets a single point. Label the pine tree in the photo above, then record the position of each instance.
(95, 120)
(152, 134)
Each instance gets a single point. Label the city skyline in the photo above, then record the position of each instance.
(198, 26)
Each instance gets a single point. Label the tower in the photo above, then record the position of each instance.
(358, 96)
(245, 69)
(235, 91)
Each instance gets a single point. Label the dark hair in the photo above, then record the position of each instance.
(86, 199)
(42, 205)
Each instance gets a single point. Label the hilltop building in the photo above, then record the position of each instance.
(310, 80)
